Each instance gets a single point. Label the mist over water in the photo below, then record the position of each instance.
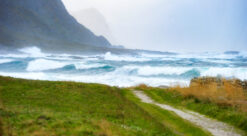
(123, 70)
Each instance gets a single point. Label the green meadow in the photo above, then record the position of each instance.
(49, 108)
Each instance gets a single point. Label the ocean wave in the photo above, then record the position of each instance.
(2, 61)
(80, 66)
(113, 80)
(153, 55)
(220, 61)
(14, 56)
(154, 70)
(52, 64)
(43, 64)
(147, 70)
(240, 73)
(208, 56)
(182, 72)
(29, 75)
(71, 57)
(161, 72)
(211, 55)
(33, 52)
(111, 57)
(190, 72)
(122, 70)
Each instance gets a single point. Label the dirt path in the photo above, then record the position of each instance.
(215, 127)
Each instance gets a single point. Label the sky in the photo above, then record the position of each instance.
(173, 25)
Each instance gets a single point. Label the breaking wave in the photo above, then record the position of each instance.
(109, 56)
(5, 61)
(42, 64)
(123, 70)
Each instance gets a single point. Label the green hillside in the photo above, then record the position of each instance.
(43, 108)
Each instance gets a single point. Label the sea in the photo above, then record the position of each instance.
(153, 69)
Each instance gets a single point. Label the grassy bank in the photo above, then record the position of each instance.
(67, 108)
(40, 108)
(204, 100)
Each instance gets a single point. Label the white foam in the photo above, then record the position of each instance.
(151, 55)
(125, 76)
(206, 55)
(43, 64)
(109, 56)
(29, 75)
(26, 52)
(220, 61)
(72, 57)
(14, 55)
(121, 80)
(149, 71)
(240, 73)
(5, 61)
(243, 54)
(109, 79)
(33, 52)
(87, 66)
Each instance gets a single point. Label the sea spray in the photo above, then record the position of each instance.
(122, 69)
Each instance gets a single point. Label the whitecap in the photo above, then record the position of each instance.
(14, 55)
(88, 66)
(33, 52)
(211, 55)
(109, 56)
(122, 80)
(151, 55)
(29, 75)
(155, 70)
(240, 73)
(43, 64)
(2, 61)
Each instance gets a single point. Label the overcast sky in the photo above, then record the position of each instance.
(173, 25)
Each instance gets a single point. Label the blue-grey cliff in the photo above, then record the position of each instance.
(43, 23)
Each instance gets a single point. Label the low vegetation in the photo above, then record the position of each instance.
(231, 92)
(222, 99)
(42, 108)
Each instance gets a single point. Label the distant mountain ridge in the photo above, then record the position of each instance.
(43, 23)
(95, 21)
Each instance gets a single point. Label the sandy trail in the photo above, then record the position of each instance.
(215, 127)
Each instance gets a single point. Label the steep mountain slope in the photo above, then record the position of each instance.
(43, 23)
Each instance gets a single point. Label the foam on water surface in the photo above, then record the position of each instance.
(109, 56)
(42, 64)
(5, 61)
(122, 70)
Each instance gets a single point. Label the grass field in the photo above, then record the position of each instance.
(45, 108)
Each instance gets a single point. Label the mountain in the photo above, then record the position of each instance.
(46, 24)
(95, 21)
